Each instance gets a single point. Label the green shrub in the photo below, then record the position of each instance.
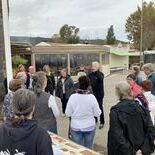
(17, 60)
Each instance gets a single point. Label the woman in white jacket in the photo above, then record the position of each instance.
(82, 107)
(149, 97)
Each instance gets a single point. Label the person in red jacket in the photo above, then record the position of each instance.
(136, 90)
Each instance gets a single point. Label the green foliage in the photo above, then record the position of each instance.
(110, 39)
(133, 26)
(69, 34)
(17, 60)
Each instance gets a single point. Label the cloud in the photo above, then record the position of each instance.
(93, 17)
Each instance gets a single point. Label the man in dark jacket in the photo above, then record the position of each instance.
(97, 83)
(131, 130)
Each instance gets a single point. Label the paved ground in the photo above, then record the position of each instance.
(109, 100)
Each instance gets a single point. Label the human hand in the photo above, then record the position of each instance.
(139, 152)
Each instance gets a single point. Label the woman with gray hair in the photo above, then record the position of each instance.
(131, 129)
(149, 71)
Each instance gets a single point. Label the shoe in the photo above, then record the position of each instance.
(101, 126)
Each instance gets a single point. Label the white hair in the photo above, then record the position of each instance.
(96, 63)
(148, 66)
(123, 91)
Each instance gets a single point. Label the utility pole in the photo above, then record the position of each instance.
(141, 36)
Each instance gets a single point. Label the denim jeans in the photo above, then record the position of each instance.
(83, 138)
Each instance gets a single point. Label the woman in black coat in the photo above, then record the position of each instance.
(50, 80)
(131, 130)
(65, 87)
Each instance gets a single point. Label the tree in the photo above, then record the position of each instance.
(56, 38)
(17, 60)
(133, 26)
(110, 39)
(69, 34)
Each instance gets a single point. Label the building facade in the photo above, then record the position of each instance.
(70, 56)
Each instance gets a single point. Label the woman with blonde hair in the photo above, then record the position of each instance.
(131, 130)
(46, 108)
(21, 74)
(50, 80)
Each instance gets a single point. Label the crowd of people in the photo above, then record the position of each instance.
(30, 109)
(132, 119)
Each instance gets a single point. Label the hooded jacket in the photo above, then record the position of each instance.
(24, 138)
(131, 129)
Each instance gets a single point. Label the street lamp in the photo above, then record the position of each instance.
(141, 38)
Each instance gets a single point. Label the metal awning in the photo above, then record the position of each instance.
(124, 53)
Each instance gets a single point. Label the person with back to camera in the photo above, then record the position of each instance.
(46, 108)
(82, 107)
(149, 71)
(7, 107)
(22, 135)
(131, 131)
(97, 84)
(136, 72)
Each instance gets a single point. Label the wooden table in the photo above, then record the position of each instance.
(63, 146)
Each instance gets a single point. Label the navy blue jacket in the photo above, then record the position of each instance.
(97, 83)
(25, 138)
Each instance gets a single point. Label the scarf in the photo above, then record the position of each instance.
(80, 91)
(143, 100)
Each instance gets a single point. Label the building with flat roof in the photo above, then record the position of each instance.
(70, 56)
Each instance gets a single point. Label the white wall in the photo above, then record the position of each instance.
(118, 61)
(7, 41)
(105, 69)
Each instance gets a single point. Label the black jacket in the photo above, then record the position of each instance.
(131, 129)
(69, 87)
(97, 83)
(50, 84)
(26, 138)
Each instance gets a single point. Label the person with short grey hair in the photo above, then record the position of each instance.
(149, 71)
(97, 84)
(131, 130)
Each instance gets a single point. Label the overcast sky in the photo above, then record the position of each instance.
(93, 17)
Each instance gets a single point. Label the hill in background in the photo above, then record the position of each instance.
(36, 40)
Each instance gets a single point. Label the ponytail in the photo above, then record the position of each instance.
(18, 119)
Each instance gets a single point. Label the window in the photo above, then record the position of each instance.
(82, 59)
(105, 58)
(55, 61)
